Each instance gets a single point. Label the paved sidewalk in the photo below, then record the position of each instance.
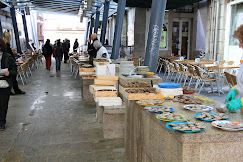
(51, 123)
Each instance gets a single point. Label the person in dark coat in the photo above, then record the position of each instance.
(14, 78)
(47, 53)
(91, 50)
(6, 62)
(66, 46)
(33, 45)
(59, 55)
(75, 45)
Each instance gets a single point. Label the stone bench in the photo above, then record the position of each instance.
(113, 121)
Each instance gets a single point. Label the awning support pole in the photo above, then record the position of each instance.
(154, 35)
(16, 31)
(97, 21)
(118, 29)
(25, 30)
(91, 27)
(105, 20)
(1, 29)
(87, 33)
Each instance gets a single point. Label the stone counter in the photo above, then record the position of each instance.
(85, 83)
(124, 80)
(147, 138)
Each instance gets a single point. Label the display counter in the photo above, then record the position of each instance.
(86, 81)
(148, 139)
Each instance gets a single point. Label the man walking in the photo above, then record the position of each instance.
(65, 47)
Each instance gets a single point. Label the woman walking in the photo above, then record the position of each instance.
(75, 45)
(47, 53)
(8, 64)
(59, 55)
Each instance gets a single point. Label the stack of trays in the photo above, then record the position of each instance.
(126, 67)
(105, 86)
(142, 70)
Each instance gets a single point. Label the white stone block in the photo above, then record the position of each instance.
(109, 101)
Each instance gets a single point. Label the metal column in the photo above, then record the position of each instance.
(16, 31)
(91, 27)
(97, 21)
(25, 30)
(105, 20)
(118, 29)
(155, 29)
(87, 33)
(1, 29)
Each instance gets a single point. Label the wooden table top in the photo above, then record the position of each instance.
(165, 57)
(201, 63)
(185, 61)
(220, 67)
(19, 63)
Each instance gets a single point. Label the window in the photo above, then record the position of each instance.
(163, 40)
(236, 21)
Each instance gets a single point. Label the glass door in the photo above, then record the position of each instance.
(181, 38)
(176, 38)
(184, 39)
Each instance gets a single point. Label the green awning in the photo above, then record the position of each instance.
(171, 4)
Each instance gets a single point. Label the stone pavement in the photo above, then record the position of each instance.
(51, 123)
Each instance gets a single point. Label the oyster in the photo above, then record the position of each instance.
(158, 109)
(173, 117)
(173, 125)
(189, 126)
(207, 116)
(150, 102)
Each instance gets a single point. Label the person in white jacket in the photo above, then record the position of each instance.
(234, 103)
(101, 51)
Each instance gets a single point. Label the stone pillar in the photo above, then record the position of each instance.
(139, 32)
(221, 29)
(193, 51)
(124, 31)
(112, 29)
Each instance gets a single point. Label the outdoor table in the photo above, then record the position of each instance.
(219, 68)
(19, 63)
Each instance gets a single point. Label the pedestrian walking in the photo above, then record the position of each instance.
(47, 53)
(8, 64)
(16, 88)
(75, 45)
(66, 46)
(59, 55)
